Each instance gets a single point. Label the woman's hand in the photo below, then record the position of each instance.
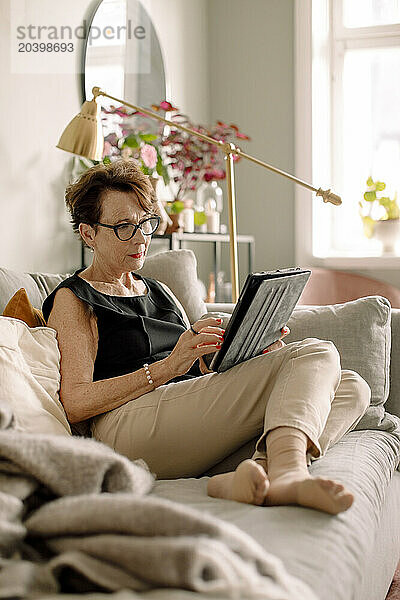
(191, 346)
(279, 343)
(275, 346)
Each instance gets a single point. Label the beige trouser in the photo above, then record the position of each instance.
(183, 429)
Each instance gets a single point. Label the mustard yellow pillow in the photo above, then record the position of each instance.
(19, 307)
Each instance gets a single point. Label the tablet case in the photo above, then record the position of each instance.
(265, 305)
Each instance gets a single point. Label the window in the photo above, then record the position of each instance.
(353, 115)
(367, 13)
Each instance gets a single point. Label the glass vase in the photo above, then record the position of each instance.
(210, 198)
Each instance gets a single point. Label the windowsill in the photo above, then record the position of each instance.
(352, 261)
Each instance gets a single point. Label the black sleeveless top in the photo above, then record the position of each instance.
(133, 330)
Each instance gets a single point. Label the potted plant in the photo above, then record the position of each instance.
(380, 215)
(194, 162)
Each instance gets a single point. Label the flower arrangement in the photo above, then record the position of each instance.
(374, 209)
(191, 159)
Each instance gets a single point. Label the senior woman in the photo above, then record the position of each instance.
(131, 363)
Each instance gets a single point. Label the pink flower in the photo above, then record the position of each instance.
(165, 105)
(107, 149)
(149, 155)
(214, 174)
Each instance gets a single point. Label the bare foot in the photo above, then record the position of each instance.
(322, 494)
(249, 484)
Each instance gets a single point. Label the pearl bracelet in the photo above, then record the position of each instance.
(148, 375)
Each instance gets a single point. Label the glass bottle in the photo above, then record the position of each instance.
(211, 289)
(188, 216)
(210, 196)
(212, 216)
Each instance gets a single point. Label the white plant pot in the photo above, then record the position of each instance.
(388, 233)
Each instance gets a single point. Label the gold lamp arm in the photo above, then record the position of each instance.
(229, 149)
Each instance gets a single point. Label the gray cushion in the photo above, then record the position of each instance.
(361, 332)
(37, 285)
(178, 270)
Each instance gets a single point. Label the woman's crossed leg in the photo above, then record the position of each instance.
(279, 474)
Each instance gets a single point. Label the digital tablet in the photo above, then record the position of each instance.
(265, 305)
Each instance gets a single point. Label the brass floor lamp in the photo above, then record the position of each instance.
(84, 136)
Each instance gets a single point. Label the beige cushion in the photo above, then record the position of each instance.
(30, 377)
(178, 270)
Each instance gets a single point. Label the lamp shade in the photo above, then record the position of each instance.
(84, 134)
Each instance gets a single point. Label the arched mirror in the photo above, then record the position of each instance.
(123, 55)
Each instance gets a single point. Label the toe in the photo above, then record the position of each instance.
(334, 489)
(327, 484)
(347, 501)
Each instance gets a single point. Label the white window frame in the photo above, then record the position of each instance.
(304, 199)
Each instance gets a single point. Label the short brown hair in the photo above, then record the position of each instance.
(83, 197)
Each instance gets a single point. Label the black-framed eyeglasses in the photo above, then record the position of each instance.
(126, 231)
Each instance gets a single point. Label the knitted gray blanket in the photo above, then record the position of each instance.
(76, 517)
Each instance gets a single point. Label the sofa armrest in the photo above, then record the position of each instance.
(220, 307)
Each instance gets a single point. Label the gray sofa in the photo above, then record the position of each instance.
(351, 556)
